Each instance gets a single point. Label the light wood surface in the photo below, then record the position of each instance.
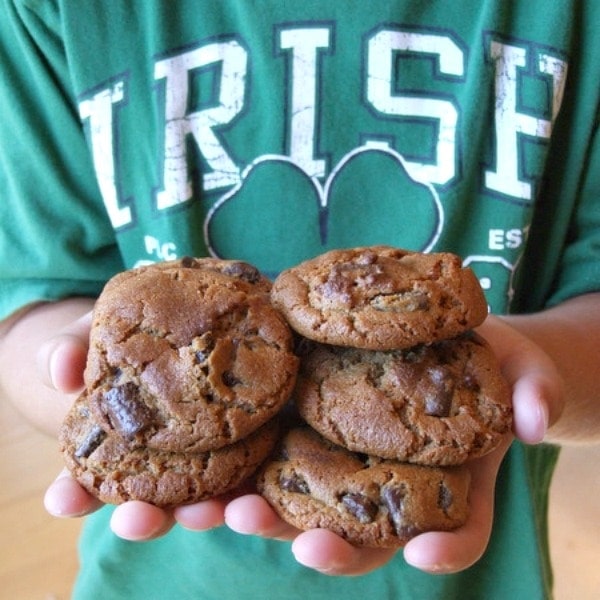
(38, 558)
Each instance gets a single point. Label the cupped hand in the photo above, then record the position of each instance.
(537, 403)
(134, 520)
(61, 362)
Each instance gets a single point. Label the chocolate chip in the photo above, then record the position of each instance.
(364, 509)
(93, 439)
(471, 383)
(126, 412)
(282, 454)
(338, 285)
(438, 399)
(413, 355)
(295, 484)
(365, 459)
(201, 356)
(394, 499)
(244, 271)
(229, 379)
(445, 497)
(187, 262)
(203, 346)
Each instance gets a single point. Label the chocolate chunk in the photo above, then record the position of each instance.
(93, 439)
(187, 262)
(282, 454)
(364, 509)
(394, 498)
(471, 383)
(126, 412)
(229, 379)
(295, 483)
(203, 346)
(201, 356)
(338, 285)
(438, 400)
(244, 271)
(445, 497)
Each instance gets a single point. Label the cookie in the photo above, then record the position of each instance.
(188, 356)
(107, 467)
(380, 298)
(237, 269)
(372, 502)
(438, 404)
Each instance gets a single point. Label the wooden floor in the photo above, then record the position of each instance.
(38, 556)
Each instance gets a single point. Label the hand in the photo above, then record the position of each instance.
(134, 521)
(537, 402)
(61, 362)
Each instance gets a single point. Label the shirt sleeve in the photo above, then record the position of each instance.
(55, 237)
(579, 268)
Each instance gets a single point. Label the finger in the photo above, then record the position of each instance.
(453, 551)
(532, 399)
(62, 358)
(326, 552)
(537, 388)
(139, 521)
(201, 515)
(66, 498)
(252, 515)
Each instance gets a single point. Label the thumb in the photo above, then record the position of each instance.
(61, 359)
(537, 388)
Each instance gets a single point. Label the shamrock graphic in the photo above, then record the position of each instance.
(369, 198)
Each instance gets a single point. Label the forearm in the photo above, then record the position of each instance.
(21, 375)
(570, 335)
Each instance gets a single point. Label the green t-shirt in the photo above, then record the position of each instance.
(271, 131)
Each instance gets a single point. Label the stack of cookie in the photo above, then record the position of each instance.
(188, 366)
(397, 390)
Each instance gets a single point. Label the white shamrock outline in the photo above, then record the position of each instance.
(323, 190)
(475, 259)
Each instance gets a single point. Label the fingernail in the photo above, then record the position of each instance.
(52, 360)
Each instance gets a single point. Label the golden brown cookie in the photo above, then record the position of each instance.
(437, 404)
(107, 467)
(380, 298)
(236, 269)
(372, 502)
(188, 356)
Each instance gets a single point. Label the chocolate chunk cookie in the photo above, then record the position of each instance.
(188, 356)
(380, 298)
(237, 269)
(437, 404)
(108, 468)
(368, 501)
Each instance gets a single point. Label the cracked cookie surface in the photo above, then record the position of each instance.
(380, 298)
(438, 404)
(188, 355)
(312, 483)
(109, 469)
